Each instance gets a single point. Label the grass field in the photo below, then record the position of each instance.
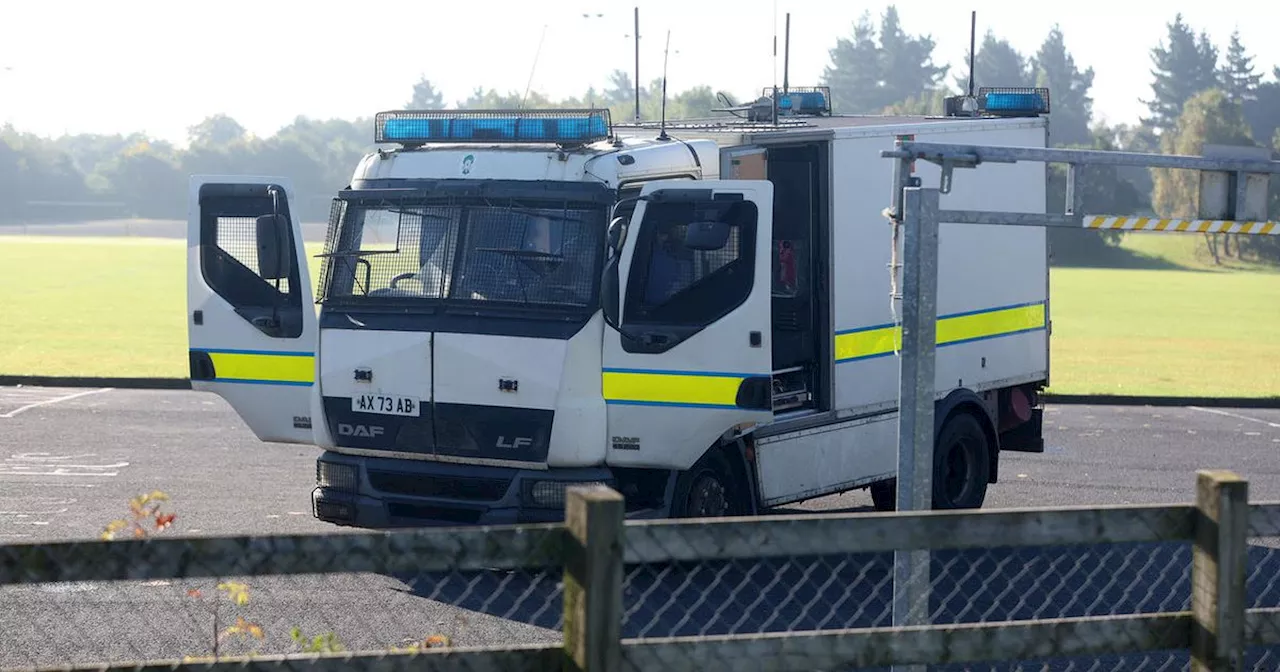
(1171, 324)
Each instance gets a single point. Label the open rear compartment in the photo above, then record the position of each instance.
(801, 267)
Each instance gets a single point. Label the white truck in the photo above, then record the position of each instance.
(512, 302)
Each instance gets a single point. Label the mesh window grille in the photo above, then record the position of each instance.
(237, 237)
(472, 252)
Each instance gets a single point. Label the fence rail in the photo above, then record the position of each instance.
(594, 545)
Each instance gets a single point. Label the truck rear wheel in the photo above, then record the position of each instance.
(961, 468)
(961, 464)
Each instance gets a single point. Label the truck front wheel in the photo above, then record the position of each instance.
(709, 489)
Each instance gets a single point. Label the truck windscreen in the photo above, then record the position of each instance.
(510, 253)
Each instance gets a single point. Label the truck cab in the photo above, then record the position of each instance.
(459, 364)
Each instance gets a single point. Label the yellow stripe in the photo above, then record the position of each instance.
(670, 388)
(867, 343)
(986, 325)
(957, 329)
(263, 368)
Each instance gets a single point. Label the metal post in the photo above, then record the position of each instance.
(919, 219)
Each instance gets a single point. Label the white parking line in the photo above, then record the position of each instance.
(1237, 416)
(55, 400)
(44, 464)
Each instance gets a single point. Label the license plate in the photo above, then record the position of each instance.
(384, 404)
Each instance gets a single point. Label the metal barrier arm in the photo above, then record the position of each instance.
(1235, 185)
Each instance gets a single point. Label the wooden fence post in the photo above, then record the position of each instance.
(1219, 568)
(593, 579)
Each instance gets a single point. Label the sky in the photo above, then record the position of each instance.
(160, 67)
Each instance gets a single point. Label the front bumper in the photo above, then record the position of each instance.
(389, 493)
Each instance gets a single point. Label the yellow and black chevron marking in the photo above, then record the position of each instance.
(259, 367)
(883, 340)
(1182, 225)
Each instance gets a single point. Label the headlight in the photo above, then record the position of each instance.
(341, 477)
(550, 494)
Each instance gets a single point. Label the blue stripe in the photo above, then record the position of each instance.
(995, 336)
(946, 345)
(245, 381)
(668, 404)
(862, 329)
(229, 351)
(990, 310)
(710, 374)
(943, 317)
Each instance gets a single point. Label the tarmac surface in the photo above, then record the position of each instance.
(70, 459)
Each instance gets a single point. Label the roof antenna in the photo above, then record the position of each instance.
(970, 103)
(662, 134)
(533, 68)
(973, 36)
(637, 64)
(773, 98)
(786, 54)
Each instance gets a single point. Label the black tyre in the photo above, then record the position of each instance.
(709, 489)
(961, 468)
(961, 464)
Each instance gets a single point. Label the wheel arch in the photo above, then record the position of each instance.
(968, 401)
(738, 452)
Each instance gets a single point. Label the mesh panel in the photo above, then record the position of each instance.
(508, 254)
(684, 268)
(336, 211)
(528, 256)
(238, 237)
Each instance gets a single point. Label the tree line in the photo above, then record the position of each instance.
(1198, 94)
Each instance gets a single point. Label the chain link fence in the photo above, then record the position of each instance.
(784, 583)
(128, 601)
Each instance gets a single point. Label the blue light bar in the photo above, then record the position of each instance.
(1013, 102)
(810, 100)
(562, 127)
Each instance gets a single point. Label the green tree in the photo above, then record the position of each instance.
(1071, 107)
(1262, 110)
(1183, 67)
(33, 170)
(1102, 191)
(867, 76)
(906, 62)
(854, 73)
(149, 182)
(997, 64)
(426, 96)
(1239, 81)
(1208, 118)
(216, 131)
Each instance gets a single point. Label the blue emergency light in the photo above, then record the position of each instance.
(562, 127)
(1013, 101)
(809, 100)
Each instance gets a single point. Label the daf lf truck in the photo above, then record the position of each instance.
(508, 303)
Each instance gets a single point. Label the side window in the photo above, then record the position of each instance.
(671, 283)
(229, 258)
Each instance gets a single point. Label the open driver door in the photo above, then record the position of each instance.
(251, 320)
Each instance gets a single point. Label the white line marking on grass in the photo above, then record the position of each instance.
(55, 400)
(1237, 416)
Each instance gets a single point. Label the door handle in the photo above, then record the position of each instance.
(654, 338)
